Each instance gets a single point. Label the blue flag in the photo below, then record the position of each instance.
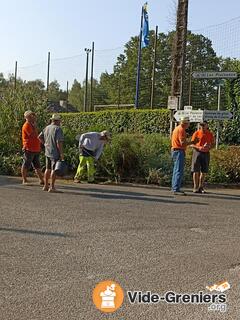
(145, 28)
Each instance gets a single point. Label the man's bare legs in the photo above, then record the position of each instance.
(24, 174)
(40, 175)
(202, 180)
(47, 175)
(53, 179)
(196, 181)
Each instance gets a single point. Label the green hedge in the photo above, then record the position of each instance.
(119, 121)
(142, 158)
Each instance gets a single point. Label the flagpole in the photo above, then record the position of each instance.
(154, 67)
(139, 63)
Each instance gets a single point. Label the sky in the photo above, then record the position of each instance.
(31, 28)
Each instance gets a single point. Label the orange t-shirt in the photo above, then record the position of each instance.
(178, 134)
(204, 137)
(30, 139)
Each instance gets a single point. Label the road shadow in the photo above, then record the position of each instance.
(4, 180)
(132, 197)
(213, 195)
(113, 191)
(35, 232)
(10, 181)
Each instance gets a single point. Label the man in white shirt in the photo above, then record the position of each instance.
(91, 145)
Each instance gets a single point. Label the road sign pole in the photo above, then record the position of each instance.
(171, 122)
(218, 124)
(190, 85)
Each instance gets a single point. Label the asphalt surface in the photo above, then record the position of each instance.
(55, 248)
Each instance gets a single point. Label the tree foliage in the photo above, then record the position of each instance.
(120, 85)
(76, 95)
(13, 104)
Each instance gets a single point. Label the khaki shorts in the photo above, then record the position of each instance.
(51, 163)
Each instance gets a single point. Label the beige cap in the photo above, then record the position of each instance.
(106, 134)
(184, 120)
(28, 113)
(56, 117)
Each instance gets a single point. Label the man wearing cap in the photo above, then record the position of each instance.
(179, 145)
(91, 146)
(201, 156)
(52, 138)
(31, 147)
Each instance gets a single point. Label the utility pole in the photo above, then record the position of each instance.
(220, 84)
(86, 80)
(91, 87)
(119, 90)
(190, 85)
(179, 51)
(48, 70)
(67, 96)
(15, 76)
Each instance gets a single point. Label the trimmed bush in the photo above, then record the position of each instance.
(225, 165)
(118, 121)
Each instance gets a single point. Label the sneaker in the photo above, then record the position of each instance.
(196, 190)
(45, 188)
(202, 190)
(179, 193)
(52, 190)
(77, 181)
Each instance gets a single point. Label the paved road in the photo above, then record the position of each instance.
(54, 249)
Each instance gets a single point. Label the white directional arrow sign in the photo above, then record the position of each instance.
(214, 75)
(217, 115)
(200, 115)
(194, 115)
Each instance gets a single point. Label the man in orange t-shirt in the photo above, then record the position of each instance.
(179, 145)
(201, 156)
(31, 147)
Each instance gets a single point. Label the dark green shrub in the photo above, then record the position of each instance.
(225, 165)
(10, 165)
(122, 159)
(118, 121)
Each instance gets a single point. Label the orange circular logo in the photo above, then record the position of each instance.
(108, 296)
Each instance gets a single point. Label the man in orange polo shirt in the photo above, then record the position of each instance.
(201, 156)
(31, 147)
(179, 145)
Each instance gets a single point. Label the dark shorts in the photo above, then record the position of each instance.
(200, 161)
(50, 163)
(31, 158)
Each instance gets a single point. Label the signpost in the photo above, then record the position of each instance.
(209, 114)
(173, 102)
(194, 115)
(215, 75)
(201, 115)
(217, 115)
(187, 108)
